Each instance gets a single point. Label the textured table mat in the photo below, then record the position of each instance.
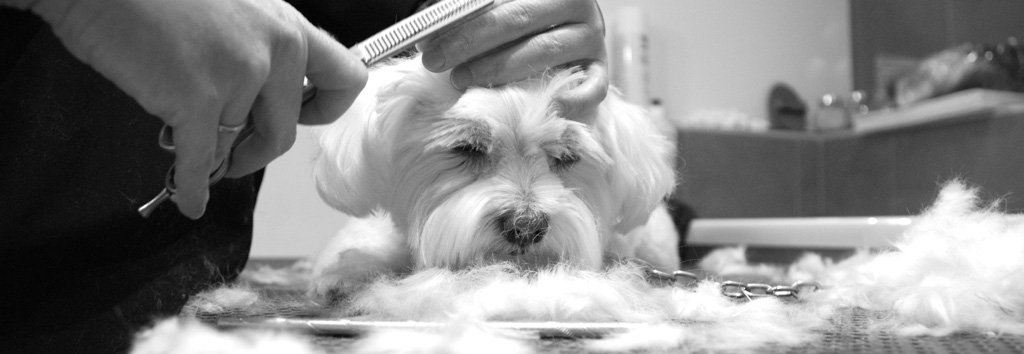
(850, 332)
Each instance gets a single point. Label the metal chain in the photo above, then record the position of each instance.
(735, 289)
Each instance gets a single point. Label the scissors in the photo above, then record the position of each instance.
(166, 141)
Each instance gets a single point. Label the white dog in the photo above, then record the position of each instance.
(442, 178)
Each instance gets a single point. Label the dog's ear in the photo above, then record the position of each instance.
(642, 173)
(352, 164)
(347, 155)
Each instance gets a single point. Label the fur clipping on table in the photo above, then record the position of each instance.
(225, 298)
(181, 336)
(502, 292)
(698, 318)
(459, 336)
(703, 319)
(958, 268)
(295, 275)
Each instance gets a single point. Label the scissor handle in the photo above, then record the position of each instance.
(166, 141)
(215, 177)
(166, 138)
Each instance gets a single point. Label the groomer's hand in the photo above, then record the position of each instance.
(201, 64)
(517, 39)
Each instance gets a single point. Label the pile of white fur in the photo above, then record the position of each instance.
(958, 268)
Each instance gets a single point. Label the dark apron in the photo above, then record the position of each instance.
(82, 271)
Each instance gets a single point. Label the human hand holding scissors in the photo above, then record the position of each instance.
(204, 67)
(241, 132)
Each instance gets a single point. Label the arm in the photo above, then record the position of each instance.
(200, 64)
(520, 38)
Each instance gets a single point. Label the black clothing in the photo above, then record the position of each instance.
(83, 271)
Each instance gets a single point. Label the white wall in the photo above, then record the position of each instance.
(291, 221)
(721, 54)
(705, 54)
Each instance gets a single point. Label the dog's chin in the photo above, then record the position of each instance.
(526, 258)
(463, 230)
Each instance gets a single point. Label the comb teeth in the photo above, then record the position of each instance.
(400, 35)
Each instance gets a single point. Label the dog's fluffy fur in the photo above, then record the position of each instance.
(446, 179)
(617, 294)
(180, 336)
(957, 269)
(441, 168)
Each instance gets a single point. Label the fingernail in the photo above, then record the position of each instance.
(191, 214)
(461, 78)
(572, 109)
(198, 214)
(433, 60)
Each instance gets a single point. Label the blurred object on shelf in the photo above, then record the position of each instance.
(966, 66)
(786, 111)
(859, 102)
(962, 105)
(889, 68)
(833, 114)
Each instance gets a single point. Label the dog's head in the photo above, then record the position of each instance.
(492, 174)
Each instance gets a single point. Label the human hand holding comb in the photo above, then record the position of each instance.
(517, 39)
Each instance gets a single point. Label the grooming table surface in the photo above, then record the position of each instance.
(850, 332)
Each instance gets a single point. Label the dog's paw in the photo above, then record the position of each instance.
(348, 273)
(332, 288)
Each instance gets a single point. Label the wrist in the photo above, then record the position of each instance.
(52, 11)
(18, 4)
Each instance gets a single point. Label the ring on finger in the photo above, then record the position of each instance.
(231, 129)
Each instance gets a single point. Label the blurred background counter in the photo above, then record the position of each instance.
(888, 169)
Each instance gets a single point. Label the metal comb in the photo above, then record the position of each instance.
(407, 32)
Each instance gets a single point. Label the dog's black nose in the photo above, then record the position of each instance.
(523, 228)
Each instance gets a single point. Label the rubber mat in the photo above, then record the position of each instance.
(850, 332)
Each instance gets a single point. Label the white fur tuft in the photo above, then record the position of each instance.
(957, 268)
(458, 336)
(224, 299)
(177, 336)
(565, 294)
(502, 292)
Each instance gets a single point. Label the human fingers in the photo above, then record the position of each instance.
(338, 75)
(274, 116)
(235, 117)
(195, 145)
(507, 22)
(531, 56)
(580, 102)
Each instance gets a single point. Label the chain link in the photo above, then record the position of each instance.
(735, 289)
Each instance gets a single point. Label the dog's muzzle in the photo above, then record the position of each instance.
(523, 227)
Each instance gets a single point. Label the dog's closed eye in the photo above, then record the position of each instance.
(469, 150)
(466, 141)
(564, 160)
(565, 152)
(470, 154)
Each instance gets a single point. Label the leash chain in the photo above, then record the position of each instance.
(735, 289)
